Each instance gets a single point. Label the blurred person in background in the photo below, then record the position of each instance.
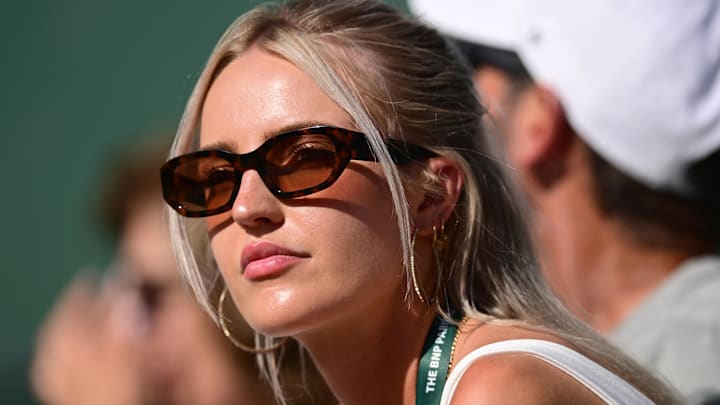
(138, 336)
(609, 112)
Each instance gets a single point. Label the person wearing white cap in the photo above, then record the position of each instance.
(610, 115)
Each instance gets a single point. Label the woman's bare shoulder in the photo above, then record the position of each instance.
(513, 377)
(516, 378)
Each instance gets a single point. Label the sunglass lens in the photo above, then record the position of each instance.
(203, 184)
(302, 162)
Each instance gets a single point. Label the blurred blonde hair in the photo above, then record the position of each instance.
(399, 79)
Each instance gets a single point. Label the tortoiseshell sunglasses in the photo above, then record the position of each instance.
(292, 164)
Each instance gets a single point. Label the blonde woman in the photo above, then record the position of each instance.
(332, 175)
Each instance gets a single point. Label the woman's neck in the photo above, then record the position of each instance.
(371, 359)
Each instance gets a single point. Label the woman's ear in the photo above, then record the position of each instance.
(439, 197)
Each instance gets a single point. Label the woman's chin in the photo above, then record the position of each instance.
(277, 322)
(276, 327)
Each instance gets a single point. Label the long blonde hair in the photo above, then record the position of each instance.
(399, 79)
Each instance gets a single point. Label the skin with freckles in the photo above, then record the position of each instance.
(341, 258)
(257, 96)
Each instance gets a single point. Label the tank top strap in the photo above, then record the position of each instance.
(606, 385)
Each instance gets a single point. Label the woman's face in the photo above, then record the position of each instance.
(292, 265)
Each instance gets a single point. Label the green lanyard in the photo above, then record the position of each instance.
(435, 362)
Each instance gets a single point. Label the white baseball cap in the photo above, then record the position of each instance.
(638, 79)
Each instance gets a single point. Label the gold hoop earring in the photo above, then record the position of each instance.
(413, 276)
(438, 246)
(235, 342)
(440, 238)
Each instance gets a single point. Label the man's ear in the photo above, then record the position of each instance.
(438, 200)
(539, 137)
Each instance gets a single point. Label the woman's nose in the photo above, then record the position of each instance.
(255, 206)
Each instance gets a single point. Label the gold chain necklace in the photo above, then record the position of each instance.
(455, 340)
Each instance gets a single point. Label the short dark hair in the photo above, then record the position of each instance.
(703, 177)
(658, 217)
(478, 55)
(129, 176)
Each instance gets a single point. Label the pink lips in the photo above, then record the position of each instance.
(264, 259)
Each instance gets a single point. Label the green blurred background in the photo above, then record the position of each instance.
(80, 80)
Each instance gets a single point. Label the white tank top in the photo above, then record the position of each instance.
(601, 381)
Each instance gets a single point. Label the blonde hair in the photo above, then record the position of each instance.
(399, 79)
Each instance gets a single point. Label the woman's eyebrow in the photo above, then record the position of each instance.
(222, 145)
(294, 127)
(231, 146)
